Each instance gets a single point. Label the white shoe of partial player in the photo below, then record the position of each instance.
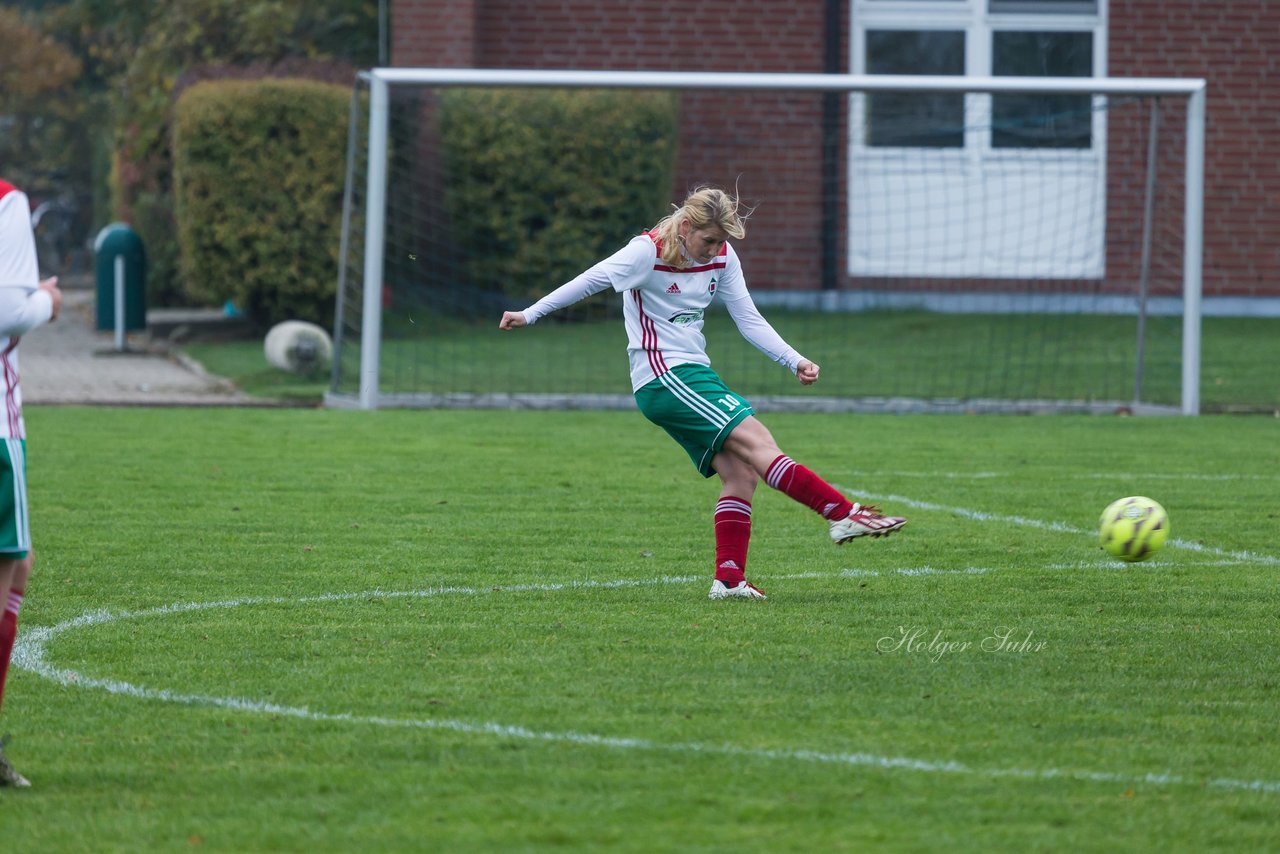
(8, 774)
(742, 590)
(864, 521)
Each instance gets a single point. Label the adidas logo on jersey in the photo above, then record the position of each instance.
(674, 289)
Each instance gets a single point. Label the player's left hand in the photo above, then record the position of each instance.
(807, 372)
(50, 285)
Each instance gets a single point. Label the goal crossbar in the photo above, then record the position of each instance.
(786, 81)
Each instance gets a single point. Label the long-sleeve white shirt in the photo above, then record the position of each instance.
(23, 305)
(663, 307)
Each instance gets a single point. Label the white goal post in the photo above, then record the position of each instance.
(381, 82)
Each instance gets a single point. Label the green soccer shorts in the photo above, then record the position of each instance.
(695, 407)
(15, 533)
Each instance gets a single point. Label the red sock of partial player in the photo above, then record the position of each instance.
(8, 634)
(799, 483)
(733, 534)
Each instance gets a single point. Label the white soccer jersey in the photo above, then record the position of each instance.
(663, 307)
(17, 243)
(22, 305)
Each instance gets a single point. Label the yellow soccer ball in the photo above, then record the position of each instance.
(1133, 528)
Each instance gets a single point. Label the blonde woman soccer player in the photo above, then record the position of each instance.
(668, 276)
(25, 303)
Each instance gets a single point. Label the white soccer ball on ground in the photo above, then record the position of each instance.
(298, 347)
(1133, 528)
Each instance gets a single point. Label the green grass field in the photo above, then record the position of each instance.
(310, 630)
(872, 354)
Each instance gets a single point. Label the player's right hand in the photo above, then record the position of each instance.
(512, 320)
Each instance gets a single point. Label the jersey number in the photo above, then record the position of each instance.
(729, 402)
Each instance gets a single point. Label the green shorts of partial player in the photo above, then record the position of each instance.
(695, 407)
(15, 532)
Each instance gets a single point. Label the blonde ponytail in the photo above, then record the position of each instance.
(705, 207)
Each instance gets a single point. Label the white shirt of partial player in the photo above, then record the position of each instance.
(667, 319)
(23, 305)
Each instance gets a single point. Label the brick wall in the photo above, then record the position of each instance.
(728, 138)
(437, 33)
(1236, 48)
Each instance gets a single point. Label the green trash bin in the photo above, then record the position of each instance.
(119, 254)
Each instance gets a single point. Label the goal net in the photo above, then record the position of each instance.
(935, 243)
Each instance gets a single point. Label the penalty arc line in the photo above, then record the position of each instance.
(30, 654)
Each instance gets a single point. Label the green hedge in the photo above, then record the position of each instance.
(540, 184)
(258, 177)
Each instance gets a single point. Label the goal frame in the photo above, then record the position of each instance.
(380, 81)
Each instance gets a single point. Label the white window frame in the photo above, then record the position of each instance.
(957, 250)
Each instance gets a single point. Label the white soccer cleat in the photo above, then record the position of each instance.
(742, 590)
(864, 521)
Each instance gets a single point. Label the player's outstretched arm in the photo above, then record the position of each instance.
(593, 281)
(512, 320)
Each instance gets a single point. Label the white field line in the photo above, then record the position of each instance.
(1131, 477)
(30, 654)
(1058, 527)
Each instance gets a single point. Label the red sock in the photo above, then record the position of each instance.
(733, 534)
(799, 483)
(8, 634)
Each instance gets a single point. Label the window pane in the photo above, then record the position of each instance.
(1041, 121)
(926, 120)
(1044, 7)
